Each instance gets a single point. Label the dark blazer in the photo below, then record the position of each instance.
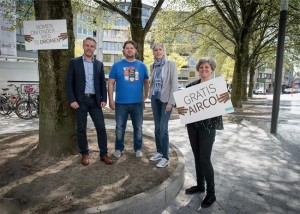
(76, 81)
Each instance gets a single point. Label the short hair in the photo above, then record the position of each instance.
(134, 45)
(130, 42)
(160, 45)
(211, 62)
(89, 38)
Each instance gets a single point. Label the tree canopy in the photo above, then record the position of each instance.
(134, 17)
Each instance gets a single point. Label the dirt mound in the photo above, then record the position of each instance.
(33, 183)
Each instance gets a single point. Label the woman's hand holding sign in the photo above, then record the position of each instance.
(28, 38)
(224, 97)
(182, 110)
(63, 36)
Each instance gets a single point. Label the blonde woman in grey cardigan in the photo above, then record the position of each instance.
(163, 82)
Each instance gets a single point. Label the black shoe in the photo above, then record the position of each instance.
(194, 189)
(208, 201)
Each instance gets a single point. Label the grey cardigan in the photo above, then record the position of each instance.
(170, 82)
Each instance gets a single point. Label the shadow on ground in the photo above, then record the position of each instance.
(33, 183)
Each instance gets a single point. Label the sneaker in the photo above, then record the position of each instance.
(117, 154)
(208, 200)
(139, 153)
(162, 163)
(156, 157)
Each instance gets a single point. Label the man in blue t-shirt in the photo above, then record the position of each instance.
(132, 87)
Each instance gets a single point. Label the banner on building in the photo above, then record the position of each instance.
(45, 34)
(201, 101)
(7, 21)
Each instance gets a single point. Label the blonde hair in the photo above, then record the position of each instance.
(159, 45)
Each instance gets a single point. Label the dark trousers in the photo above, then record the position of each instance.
(201, 141)
(89, 105)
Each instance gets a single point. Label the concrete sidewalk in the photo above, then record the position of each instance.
(254, 171)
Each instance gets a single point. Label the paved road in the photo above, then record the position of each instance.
(255, 172)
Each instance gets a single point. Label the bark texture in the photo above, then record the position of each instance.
(57, 121)
(240, 22)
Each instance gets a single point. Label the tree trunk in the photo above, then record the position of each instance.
(139, 38)
(251, 79)
(237, 83)
(57, 122)
(245, 68)
(239, 80)
(137, 31)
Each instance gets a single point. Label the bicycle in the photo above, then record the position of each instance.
(8, 102)
(4, 106)
(29, 108)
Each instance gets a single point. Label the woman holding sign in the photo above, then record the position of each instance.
(164, 81)
(202, 136)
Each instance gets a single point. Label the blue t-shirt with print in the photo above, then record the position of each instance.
(129, 77)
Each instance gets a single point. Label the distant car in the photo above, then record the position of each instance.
(259, 91)
(291, 90)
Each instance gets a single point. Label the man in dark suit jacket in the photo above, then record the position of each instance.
(87, 93)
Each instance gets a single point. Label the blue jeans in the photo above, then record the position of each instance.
(135, 110)
(161, 120)
(89, 105)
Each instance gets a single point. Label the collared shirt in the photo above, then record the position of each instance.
(89, 76)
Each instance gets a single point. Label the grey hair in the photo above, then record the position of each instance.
(211, 62)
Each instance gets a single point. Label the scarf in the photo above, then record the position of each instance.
(157, 67)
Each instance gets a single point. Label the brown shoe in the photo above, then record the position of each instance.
(85, 160)
(106, 160)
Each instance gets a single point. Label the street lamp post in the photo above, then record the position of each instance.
(279, 62)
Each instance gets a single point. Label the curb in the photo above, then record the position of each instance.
(150, 202)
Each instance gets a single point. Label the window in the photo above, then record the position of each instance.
(268, 76)
(145, 12)
(192, 62)
(81, 21)
(192, 74)
(117, 58)
(110, 33)
(120, 46)
(20, 46)
(120, 21)
(84, 31)
(107, 69)
(116, 46)
(79, 30)
(110, 46)
(144, 22)
(106, 58)
(121, 7)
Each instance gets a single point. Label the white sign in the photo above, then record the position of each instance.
(201, 100)
(7, 36)
(45, 34)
